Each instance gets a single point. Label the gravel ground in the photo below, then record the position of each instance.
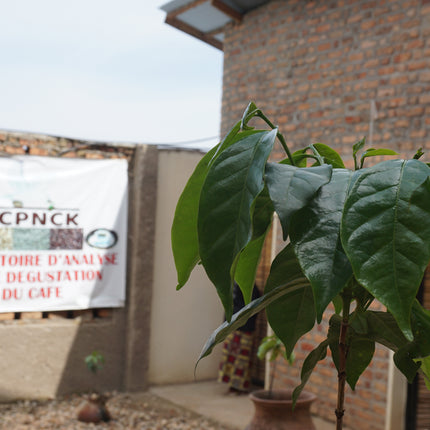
(142, 411)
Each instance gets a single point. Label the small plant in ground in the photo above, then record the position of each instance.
(355, 236)
(273, 345)
(94, 361)
(94, 410)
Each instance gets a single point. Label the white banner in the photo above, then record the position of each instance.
(63, 233)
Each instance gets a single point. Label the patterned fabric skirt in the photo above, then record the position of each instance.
(234, 368)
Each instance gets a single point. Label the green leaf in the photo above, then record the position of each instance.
(291, 188)
(386, 233)
(315, 234)
(358, 322)
(299, 157)
(375, 152)
(382, 328)
(362, 296)
(250, 111)
(360, 351)
(262, 214)
(338, 304)
(271, 344)
(224, 222)
(184, 234)
(246, 268)
(360, 354)
(94, 361)
(404, 362)
(407, 355)
(247, 264)
(318, 354)
(185, 243)
(418, 154)
(425, 367)
(421, 329)
(235, 134)
(266, 345)
(240, 318)
(330, 155)
(294, 314)
(356, 148)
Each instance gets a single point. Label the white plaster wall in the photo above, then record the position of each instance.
(181, 321)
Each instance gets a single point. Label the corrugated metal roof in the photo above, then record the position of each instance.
(206, 19)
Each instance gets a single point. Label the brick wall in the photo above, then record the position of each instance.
(316, 68)
(17, 143)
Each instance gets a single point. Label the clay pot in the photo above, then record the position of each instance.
(276, 413)
(94, 410)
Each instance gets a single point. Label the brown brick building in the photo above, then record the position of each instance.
(332, 72)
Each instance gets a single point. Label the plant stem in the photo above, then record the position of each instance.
(272, 379)
(278, 135)
(343, 353)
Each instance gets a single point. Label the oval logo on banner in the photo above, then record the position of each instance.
(102, 238)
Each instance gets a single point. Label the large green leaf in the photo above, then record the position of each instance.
(360, 351)
(247, 264)
(224, 223)
(291, 188)
(318, 354)
(184, 234)
(383, 328)
(185, 243)
(246, 268)
(240, 318)
(421, 330)
(408, 357)
(315, 234)
(262, 213)
(386, 233)
(294, 314)
(405, 363)
(235, 134)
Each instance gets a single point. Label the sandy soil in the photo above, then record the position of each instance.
(142, 411)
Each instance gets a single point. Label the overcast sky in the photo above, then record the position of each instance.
(105, 70)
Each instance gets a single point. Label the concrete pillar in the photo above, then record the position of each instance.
(396, 398)
(141, 237)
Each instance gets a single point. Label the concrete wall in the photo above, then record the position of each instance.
(157, 336)
(181, 321)
(43, 355)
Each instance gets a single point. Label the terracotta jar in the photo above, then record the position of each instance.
(276, 413)
(94, 410)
